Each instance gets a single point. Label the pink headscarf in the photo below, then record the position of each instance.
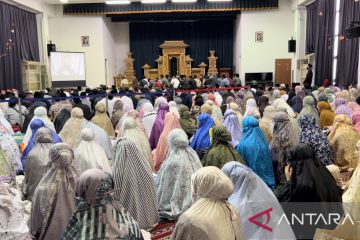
(356, 120)
(212, 98)
(353, 105)
(160, 152)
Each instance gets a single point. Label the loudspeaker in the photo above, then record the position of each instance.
(292, 46)
(51, 48)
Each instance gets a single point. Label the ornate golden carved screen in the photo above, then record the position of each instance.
(177, 49)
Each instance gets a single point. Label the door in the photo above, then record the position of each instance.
(283, 71)
(173, 66)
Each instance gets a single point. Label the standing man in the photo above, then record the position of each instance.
(309, 77)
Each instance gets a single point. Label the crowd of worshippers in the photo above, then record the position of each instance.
(113, 168)
(192, 82)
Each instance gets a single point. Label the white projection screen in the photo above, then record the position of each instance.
(68, 69)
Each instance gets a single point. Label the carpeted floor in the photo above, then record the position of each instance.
(163, 230)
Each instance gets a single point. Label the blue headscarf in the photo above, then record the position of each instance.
(201, 139)
(254, 149)
(35, 125)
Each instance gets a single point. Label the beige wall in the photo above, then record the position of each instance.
(278, 27)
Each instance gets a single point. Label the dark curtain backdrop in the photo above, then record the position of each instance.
(19, 26)
(348, 51)
(324, 40)
(201, 36)
(311, 19)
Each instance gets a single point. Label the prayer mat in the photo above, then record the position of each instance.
(163, 230)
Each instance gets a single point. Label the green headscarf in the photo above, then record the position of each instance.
(221, 151)
(187, 123)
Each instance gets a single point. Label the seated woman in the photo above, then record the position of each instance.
(343, 138)
(281, 104)
(186, 121)
(13, 224)
(310, 109)
(266, 122)
(201, 138)
(341, 107)
(71, 131)
(254, 149)
(137, 136)
(37, 161)
(251, 194)
(161, 150)
(281, 144)
(252, 109)
(309, 181)
(53, 201)
(158, 125)
(312, 135)
(10, 147)
(351, 199)
(35, 125)
(148, 117)
(41, 114)
(211, 217)
(134, 184)
(173, 181)
(89, 154)
(231, 122)
(326, 115)
(98, 214)
(117, 113)
(221, 151)
(102, 119)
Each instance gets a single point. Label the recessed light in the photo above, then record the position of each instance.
(153, 1)
(183, 1)
(64, 1)
(219, 0)
(113, 2)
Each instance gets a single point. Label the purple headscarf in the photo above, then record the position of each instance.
(342, 108)
(158, 125)
(231, 122)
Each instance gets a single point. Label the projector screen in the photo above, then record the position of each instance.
(68, 69)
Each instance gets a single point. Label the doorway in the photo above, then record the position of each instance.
(173, 66)
(283, 71)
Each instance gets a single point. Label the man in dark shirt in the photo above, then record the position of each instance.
(192, 83)
(309, 76)
(84, 107)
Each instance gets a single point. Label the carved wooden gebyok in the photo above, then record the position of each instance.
(177, 49)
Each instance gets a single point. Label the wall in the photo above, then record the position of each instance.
(109, 50)
(122, 45)
(278, 27)
(237, 44)
(66, 32)
(108, 41)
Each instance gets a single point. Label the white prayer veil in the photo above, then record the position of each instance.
(251, 196)
(89, 154)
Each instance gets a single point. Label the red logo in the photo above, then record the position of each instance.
(254, 221)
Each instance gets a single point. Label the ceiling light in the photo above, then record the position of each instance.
(153, 1)
(64, 1)
(183, 1)
(113, 2)
(219, 0)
